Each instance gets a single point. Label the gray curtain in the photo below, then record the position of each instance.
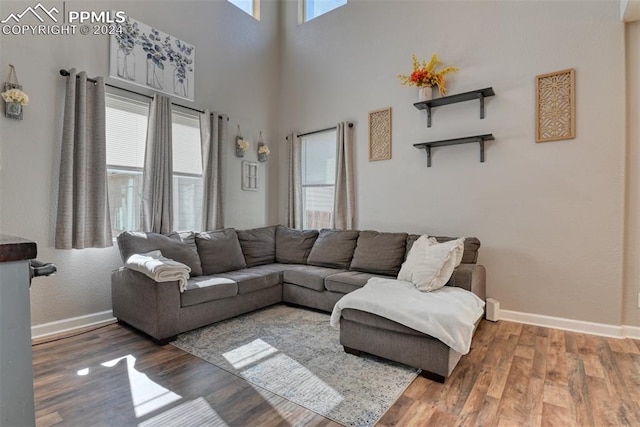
(344, 209)
(214, 133)
(294, 182)
(157, 177)
(83, 204)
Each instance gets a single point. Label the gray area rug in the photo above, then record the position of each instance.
(296, 354)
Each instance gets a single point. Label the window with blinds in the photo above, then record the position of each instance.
(126, 131)
(318, 179)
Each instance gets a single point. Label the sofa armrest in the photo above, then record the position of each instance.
(471, 277)
(150, 306)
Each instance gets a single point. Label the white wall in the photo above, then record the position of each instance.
(632, 276)
(550, 216)
(236, 73)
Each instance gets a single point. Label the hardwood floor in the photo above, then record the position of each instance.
(515, 375)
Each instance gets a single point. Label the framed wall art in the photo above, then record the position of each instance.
(249, 176)
(147, 57)
(556, 106)
(380, 134)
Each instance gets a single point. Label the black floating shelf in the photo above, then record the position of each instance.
(479, 94)
(455, 141)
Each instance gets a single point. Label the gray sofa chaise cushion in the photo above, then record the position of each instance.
(347, 281)
(258, 245)
(334, 248)
(253, 279)
(311, 277)
(180, 247)
(293, 246)
(220, 251)
(379, 253)
(207, 288)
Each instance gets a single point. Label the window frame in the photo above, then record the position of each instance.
(302, 11)
(304, 186)
(255, 8)
(120, 169)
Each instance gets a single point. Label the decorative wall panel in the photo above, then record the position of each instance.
(555, 106)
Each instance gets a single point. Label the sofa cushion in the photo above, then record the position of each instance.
(309, 276)
(220, 251)
(253, 279)
(430, 265)
(179, 247)
(258, 245)
(206, 288)
(381, 253)
(471, 246)
(293, 246)
(347, 282)
(334, 248)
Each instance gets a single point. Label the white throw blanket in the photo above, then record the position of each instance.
(448, 314)
(159, 268)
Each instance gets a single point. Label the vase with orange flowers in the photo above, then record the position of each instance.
(425, 77)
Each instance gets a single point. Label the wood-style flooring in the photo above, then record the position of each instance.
(515, 375)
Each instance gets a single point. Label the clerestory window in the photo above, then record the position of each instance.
(251, 7)
(314, 8)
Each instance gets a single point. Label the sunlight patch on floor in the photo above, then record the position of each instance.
(146, 395)
(266, 366)
(249, 353)
(196, 412)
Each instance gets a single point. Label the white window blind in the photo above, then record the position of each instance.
(126, 131)
(187, 155)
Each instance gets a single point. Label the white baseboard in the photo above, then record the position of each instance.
(105, 317)
(601, 329)
(632, 332)
(72, 324)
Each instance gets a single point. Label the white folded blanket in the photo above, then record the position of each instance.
(159, 268)
(448, 314)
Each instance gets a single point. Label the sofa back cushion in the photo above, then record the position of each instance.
(379, 253)
(471, 246)
(334, 248)
(258, 245)
(293, 246)
(220, 251)
(179, 247)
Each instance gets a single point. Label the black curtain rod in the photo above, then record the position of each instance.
(321, 130)
(65, 73)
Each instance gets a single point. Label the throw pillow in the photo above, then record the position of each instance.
(179, 247)
(220, 251)
(258, 245)
(293, 246)
(429, 265)
(379, 253)
(471, 246)
(334, 248)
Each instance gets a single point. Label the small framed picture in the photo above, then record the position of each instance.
(249, 176)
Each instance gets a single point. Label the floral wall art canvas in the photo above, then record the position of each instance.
(148, 57)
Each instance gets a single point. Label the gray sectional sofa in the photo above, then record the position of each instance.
(238, 271)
